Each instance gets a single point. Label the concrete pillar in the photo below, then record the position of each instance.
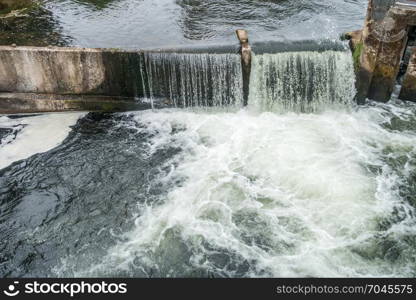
(408, 91)
(367, 57)
(384, 40)
(245, 51)
(392, 36)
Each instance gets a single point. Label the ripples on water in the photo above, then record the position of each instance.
(242, 193)
(149, 23)
(77, 198)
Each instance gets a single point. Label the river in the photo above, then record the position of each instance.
(302, 182)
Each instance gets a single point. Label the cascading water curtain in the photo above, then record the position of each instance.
(185, 80)
(301, 81)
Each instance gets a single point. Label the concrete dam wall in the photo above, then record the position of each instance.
(380, 50)
(37, 79)
(68, 71)
(58, 79)
(73, 77)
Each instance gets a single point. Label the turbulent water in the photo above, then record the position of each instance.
(275, 195)
(301, 182)
(199, 193)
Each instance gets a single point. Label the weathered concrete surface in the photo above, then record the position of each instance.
(391, 39)
(367, 57)
(384, 41)
(59, 72)
(70, 71)
(28, 103)
(408, 91)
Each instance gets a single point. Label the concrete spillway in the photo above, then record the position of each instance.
(59, 79)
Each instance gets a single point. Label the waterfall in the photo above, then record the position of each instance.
(301, 81)
(306, 81)
(193, 79)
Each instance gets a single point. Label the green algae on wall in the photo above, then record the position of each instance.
(357, 54)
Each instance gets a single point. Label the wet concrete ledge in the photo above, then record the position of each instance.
(11, 103)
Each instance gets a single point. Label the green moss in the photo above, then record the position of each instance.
(357, 54)
(7, 6)
(109, 107)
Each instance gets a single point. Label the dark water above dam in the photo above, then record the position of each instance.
(147, 23)
(165, 23)
(302, 182)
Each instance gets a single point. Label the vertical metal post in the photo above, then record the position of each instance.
(245, 51)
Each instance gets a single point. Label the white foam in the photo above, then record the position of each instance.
(299, 182)
(40, 134)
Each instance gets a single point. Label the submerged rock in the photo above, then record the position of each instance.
(7, 6)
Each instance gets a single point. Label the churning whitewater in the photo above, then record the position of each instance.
(274, 195)
(300, 183)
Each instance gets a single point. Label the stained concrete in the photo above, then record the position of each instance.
(68, 71)
(408, 90)
(54, 70)
(384, 40)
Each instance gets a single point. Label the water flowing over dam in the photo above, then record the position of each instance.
(302, 81)
(289, 81)
(300, 182)
(186, 80)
